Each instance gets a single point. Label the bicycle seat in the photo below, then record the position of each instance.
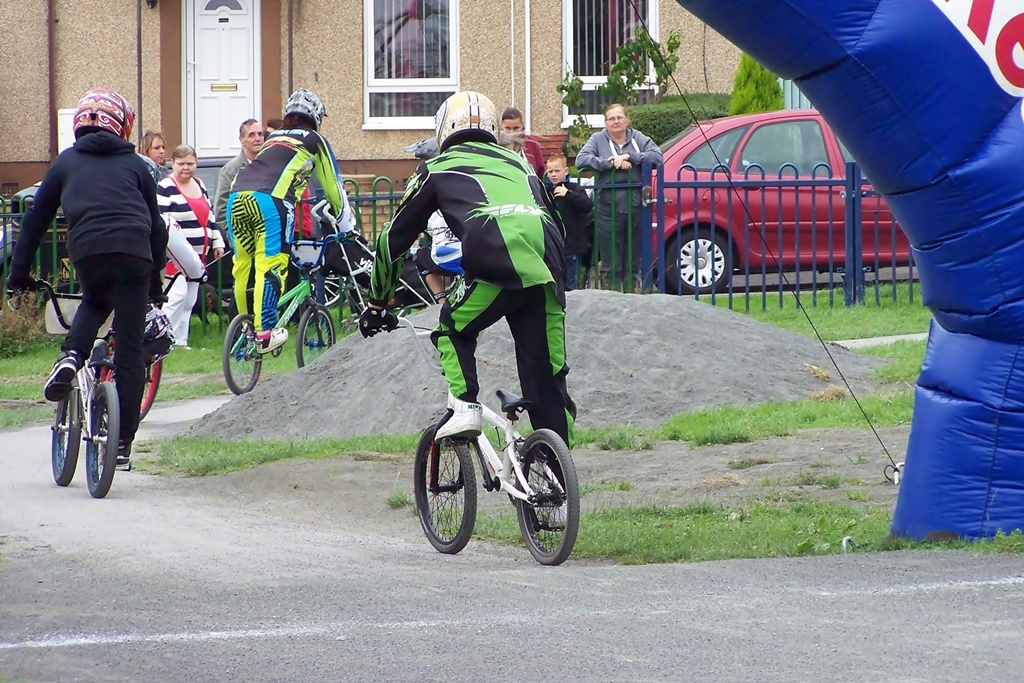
(510, 403)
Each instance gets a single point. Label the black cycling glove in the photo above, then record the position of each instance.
(373, 320)
(19, 281)
(156, 289)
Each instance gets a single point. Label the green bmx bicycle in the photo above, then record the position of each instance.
(242, 361)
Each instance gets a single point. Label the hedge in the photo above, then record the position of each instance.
(670, 116)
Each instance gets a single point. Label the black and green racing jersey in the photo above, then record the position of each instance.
(510, 231)
(286, 161)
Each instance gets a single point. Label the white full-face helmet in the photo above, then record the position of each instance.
(464, 116)
(307, 104)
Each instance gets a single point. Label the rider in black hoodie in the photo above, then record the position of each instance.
(116, 240)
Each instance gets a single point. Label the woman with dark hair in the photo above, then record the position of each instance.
(512, 125)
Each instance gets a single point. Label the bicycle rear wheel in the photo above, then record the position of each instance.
(242, 364)
(549, 525)
(101, 447)
(66, 439)
(445, 492)
(316, 334)
(153, 374)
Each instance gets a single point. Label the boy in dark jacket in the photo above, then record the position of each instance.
(575, 207)
(116, 240)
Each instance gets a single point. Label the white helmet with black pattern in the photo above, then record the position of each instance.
(466, 115)
(305, 103)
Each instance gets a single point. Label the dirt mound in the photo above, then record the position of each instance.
(635, 359)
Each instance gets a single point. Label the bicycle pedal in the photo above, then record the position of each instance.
(276, 353)
(123, 467)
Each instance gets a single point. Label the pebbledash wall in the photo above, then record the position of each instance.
(95, 43)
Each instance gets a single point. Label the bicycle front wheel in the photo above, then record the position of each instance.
(153, 374)
(242, 364)
(332, 290)
(316, 334)
(101, 447)
(66, 439)
(445, 492)
(550, 522)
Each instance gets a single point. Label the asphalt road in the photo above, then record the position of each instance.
(153, 585)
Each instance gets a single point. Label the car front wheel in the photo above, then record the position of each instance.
(698, 262)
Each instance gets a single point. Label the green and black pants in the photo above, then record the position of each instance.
(536, 319)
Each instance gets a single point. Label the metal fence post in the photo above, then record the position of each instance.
(660, 233)
(853, 286)
(646, 192)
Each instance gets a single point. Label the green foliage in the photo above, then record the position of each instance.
(629, 71)
(671, 116)
(21, 324)
(755, 89)
(571, 90)
(399, 500)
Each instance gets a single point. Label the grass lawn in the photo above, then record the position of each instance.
(13, 418)
(880, 318)
(704, 532)
(197, 457)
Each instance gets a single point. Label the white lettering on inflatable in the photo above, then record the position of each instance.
(995, 29)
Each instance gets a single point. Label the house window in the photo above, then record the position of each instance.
(592, 31)
(411, 61)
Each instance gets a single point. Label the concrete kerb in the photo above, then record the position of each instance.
(879, 341)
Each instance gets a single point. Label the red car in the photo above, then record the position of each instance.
(763, 155)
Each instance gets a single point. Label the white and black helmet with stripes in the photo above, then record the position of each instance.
(466, 114)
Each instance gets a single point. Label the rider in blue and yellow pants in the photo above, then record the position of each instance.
(261, 209)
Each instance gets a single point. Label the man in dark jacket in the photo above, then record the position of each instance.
(117, 242)
(575, 207)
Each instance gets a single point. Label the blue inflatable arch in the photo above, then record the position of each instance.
(927, 96)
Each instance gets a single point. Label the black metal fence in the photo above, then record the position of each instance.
(718, 235)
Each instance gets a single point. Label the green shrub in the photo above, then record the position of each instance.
(21, 326)
(668, 118)
(755, 89)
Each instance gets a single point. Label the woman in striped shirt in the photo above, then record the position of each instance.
(183, 197)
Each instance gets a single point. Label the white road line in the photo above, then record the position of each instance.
(946, 585)
(339, 628)
(126, 638)
(899, 589)
(334, 629)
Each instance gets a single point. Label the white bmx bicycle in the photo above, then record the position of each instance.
(536, 472)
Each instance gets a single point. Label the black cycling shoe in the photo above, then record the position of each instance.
(124, 451)
(58, 384)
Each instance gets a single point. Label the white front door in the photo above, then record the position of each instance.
(222, 73)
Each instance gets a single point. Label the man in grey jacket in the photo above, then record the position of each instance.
(250, 134)
(617, 153)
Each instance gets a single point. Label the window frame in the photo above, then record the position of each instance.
(653, 20)
(374, 85)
